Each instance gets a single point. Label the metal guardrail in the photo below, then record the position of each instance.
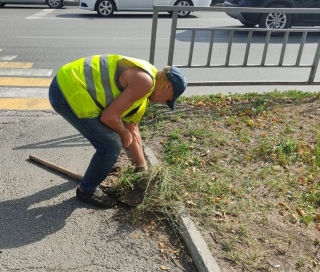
(207, 64)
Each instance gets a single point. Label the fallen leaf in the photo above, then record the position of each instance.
(219, 214)
(163, 267)
(283, 205)
(250, 123)
(200, 104)
(318, 227)
(191, 203)
(300, 211)
(277, 167)
(302, 180)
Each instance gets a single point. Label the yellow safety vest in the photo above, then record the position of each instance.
(88, 85)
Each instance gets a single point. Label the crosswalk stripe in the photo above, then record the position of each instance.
(24, 104)
(10, 92)
(27, 82)
(6, 64)
(40, 14)
(8, 57)
(25, 72)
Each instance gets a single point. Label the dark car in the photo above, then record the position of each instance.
(275, 20)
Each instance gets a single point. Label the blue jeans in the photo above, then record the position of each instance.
(105, 140)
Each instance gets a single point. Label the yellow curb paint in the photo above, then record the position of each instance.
(24, 104)
(5, 64)
(26, 82)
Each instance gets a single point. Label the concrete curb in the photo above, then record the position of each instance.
(195, 243)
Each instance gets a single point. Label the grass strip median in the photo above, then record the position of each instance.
(246, 167)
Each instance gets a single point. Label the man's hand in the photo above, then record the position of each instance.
(135, 147)
(126, 138)
(140, 168)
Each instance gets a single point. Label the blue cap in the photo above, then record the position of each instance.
(179, 84)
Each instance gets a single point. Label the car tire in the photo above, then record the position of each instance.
(55, 4)
(105, 8)
(183, 3)
(275, 20)
(2, 5)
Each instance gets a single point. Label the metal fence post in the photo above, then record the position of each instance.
(172, 36)
(314, 65)
(153, 35)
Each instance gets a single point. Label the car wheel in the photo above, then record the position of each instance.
(105, 8)
(275, 20)
(2, 5)
(183, 3)
(55, 4)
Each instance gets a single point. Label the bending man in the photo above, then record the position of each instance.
(105, 97)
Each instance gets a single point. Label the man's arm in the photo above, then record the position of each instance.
(135, 147)
(137, 84)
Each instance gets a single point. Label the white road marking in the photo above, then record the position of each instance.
(25, 72)
(40, 14)
(7, 92)
(8, 57)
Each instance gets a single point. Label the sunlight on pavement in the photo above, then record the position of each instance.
(25, 104)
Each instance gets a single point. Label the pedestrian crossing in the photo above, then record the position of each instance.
(23, 87)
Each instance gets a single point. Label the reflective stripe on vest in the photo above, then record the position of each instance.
(105, 80)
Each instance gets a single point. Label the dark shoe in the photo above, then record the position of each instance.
(96, 198)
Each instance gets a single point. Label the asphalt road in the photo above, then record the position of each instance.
(49, 38)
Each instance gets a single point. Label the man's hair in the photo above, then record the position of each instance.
(161, 75)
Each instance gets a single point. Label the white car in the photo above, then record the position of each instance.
(55, 4)
(108, 7)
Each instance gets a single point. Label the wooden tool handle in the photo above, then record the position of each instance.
(56, 167)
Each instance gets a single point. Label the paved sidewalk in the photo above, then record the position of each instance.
(43, 227)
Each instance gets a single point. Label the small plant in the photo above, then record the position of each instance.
(176, 150)
(242, 231)
(307, 219)
(288, 129)
(300, 263)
